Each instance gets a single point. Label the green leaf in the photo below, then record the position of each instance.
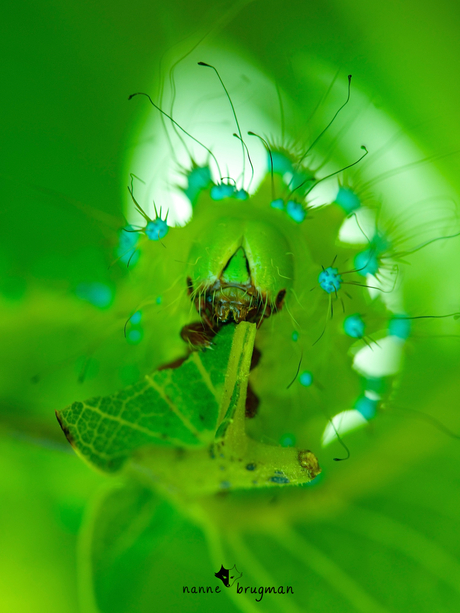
(185, 429)
(125, 524)
(132, 554)
(178, 407)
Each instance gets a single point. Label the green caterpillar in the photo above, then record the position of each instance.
(264, 253)
(295, 255)
(275, 315)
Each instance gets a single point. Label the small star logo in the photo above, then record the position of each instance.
(228, 576)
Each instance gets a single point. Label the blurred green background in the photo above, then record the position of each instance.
(383, 534)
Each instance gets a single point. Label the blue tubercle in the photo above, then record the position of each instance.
(198, 179)
(156, 229)
(281, 163)
(399, 326)
(241, 194)
(366, 262)
(222, 191)
(277, 204)
(98, 294)
(136, 317)
(354, 326)
(330, 280)
(306, 378)
(295, 336)
(134, 336)
(295, 211)
(367, 407)
(347, 200)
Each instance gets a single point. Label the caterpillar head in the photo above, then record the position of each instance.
(244, 272)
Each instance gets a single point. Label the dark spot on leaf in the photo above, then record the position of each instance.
(279, 479)
(65, 429)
